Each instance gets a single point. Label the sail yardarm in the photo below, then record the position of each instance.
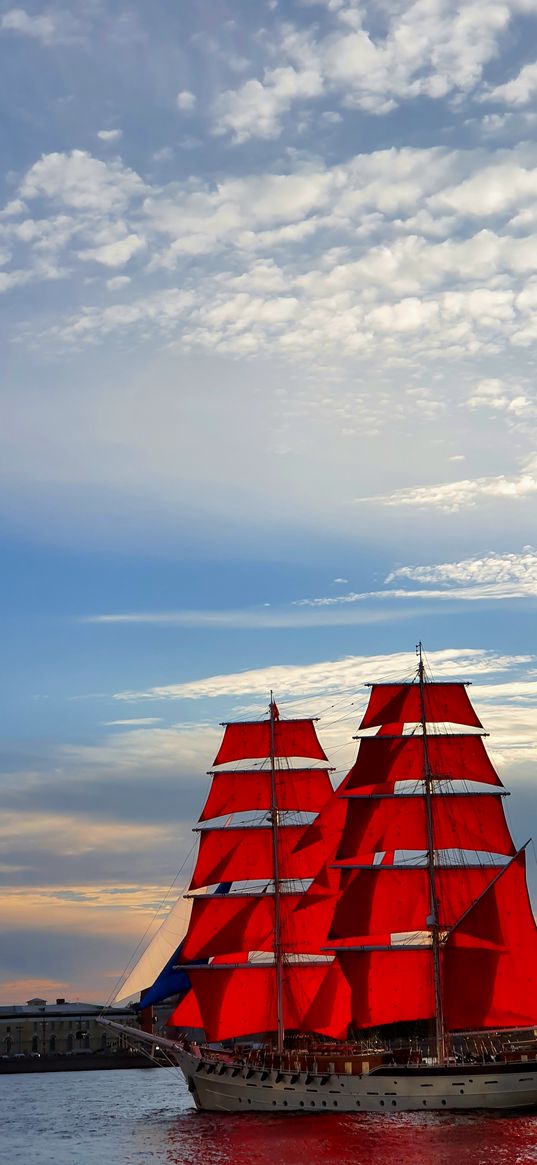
(486, 987)
(306, 790)
(401, 704)
(389, 986)
(464, 822)
(241, 1002)
(224, 925)
(249, 741)
(245, 854)
(396, 900)
(382, 759)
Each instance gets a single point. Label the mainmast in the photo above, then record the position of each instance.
(433, 917)
(275, 823)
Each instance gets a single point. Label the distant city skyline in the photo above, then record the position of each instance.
(269, 416)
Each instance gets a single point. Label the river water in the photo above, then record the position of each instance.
(134, 1117)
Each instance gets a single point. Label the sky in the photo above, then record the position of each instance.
(268, 416)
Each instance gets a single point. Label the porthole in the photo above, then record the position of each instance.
(444, 1102)
(382, 1104)
(302, 1104)
(323, 1102)
(394, 1102)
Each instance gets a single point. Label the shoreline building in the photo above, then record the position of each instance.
(41, 1029)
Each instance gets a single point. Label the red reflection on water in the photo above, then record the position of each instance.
(401, 1139)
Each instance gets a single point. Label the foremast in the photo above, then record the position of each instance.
(252, 967)
(433, 920)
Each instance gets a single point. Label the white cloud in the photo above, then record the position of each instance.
(458, 495)
(328, 677)
(109, 135)
(117, 281)
(114, 254)
(161, 309)
(42, 27)
(518, 91)
(298, 614)
(136, 720)
(82, 182)
(185, 101)
(339, 261)
(416, 50)
(498, 396)
(255, 110)
(493, 575)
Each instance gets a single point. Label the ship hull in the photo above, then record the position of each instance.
(221, 1086)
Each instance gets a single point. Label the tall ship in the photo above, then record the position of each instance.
(370, 948)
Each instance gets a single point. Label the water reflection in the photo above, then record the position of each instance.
(402, 1139)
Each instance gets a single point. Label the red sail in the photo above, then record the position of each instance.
(242, 1001)
(223, 924)
(385, 760)
(401, 704)
(486, 987)
(384, 898)
(389, 986)
(248, 741)
(329, 1012)
(305, 790)
(468, 821)
(188, 1013)
(227, 923)
(246, 854)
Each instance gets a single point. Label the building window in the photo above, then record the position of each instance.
(34, 1044)
(52, 1044)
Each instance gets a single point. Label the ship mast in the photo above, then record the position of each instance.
(275, 821)
(440, 1039)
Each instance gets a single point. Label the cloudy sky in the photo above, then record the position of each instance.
(269, 414)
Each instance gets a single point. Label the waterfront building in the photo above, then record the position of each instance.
(40, 1028)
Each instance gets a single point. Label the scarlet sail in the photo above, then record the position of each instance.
(386, 760)
(416, 907)
(465, 822)
(475, 942)
(239, 1001)
(284, 738)
(306, 790)
(239, 854)
(243, 999)
(402, 704)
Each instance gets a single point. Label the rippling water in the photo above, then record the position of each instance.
(129, 1118)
